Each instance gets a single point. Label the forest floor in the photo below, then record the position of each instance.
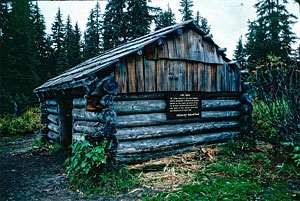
(29, 175)
(209, 174)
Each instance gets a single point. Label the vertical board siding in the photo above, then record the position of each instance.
(149, 69)
(139, 70)
(184, 62)
(131, 74)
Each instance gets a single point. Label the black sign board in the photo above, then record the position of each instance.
(182, 105)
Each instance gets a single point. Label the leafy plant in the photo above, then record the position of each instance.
(295, 152)
(235, 146)
(26, 123)
(86, 169)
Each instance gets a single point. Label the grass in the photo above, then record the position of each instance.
(248, 175)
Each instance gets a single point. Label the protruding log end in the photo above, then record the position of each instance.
(111, 86)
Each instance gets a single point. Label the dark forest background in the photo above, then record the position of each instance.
(29, 56)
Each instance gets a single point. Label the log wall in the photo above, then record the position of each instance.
(143, 131)
(50, 118)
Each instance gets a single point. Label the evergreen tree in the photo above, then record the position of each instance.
(92, 34)
(57, 36)
(202, 23)
(77, 46)
(68, 42)
(18, 77)
(42, 45)
(185, 9)
(165, 19)
(139, 18)
(115, 24)
(271, 32)
(240, 53)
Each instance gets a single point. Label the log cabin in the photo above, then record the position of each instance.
(164, 93)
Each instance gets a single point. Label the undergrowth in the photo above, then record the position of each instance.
(26, 123)
(87, 172)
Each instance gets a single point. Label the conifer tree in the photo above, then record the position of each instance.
(202, 23)
(68, 42)
(139, 18)
(92, 35)
(240, 53)
(77, 46)
(165, 19)
(185, 9)
(115, 24)
(57, 36)
(271, 32)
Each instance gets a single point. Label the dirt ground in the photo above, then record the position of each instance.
(25, 175)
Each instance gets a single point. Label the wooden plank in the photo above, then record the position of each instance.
(196, 77)
(171, 76)
(159, 78)
(172, 47)
(164, 75)
(213, 78)
(158, 144)
(163, 50)
(190, 72)
(208, 86)
(151, 51)
(219, 78)
(118, 77)
(136, 133)
(132, 82)
(124, 77)
(149, 69)
(179, 70)
(139, 70)
(202, 81)
(224, 77)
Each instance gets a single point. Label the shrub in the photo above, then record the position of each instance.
(26, 123)
(86, 169)
(277, 106)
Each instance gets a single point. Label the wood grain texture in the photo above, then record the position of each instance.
(135, 133)
(139, 70)
(132, 78)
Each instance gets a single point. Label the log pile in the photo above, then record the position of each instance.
(49, 117)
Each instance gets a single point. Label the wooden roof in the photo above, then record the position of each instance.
(83, 73)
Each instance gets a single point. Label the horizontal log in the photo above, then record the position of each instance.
(161, 95)
(138, 158)
(53, 136)
(53, 118)
(172, 130)
(53, 110)
(161, 118)
(43, 104)
(53, 127)
(151, 106)
(79, 102)
(78, 137)
(51, 102)
(83, 115)
(87, 126)
(158, 144)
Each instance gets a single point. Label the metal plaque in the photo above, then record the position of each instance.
(183, 105)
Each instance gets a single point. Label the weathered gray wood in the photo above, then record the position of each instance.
(53, 136)
(53, 110)
(138, 158)
(134, 133)
(106, 100)
(246, 86)
(51, 102)
(53, 127)
(150, 106)
(107, 114)
(53, 118)
(82, 114)
(161, 95)
(247, 97)
(158, 144)
(44, 121)
(161, 118)
(79, 102)
(78, 137)
(110, 86)
(87, 126)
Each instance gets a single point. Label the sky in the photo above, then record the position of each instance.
(227, 18)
